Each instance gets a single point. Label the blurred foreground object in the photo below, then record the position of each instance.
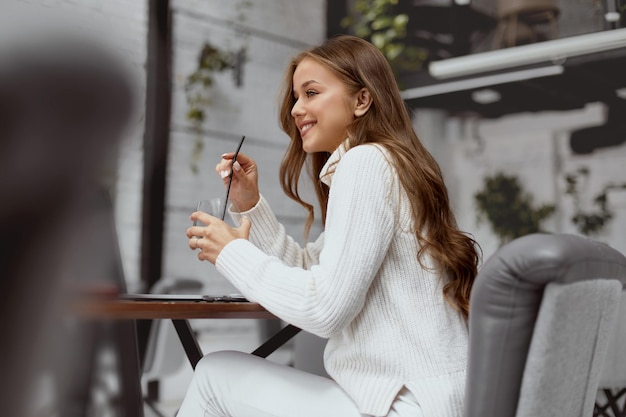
(64, 103)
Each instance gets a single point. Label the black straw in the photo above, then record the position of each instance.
(230, 176)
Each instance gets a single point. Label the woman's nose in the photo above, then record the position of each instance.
(297, 110)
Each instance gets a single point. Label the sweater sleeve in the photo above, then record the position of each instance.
(325, 298)
(269, 235)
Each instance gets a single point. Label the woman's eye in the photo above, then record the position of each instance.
(310, 93)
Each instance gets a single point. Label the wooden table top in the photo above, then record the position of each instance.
(112, 308)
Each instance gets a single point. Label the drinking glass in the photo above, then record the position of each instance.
(214, 206)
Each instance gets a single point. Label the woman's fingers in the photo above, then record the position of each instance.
(244, 188)
(241, 157)
(225, 163)
(244, 228)
(198, 217)
(243, 165)
(209, 240)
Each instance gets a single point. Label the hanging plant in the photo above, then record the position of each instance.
(508, 208)
(211, 60)
(198, 85)
(593, 221)
(376, 21)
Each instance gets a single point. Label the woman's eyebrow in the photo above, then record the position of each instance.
(307, 83)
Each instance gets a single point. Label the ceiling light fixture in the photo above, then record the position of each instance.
(486, 96)
(480, 82)
(547, 51)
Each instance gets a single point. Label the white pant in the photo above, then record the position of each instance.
(236, 384)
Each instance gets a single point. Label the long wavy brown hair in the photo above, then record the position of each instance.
(387, 122)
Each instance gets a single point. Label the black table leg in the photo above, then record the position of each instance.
(276, 341)
(189, 341)
(194, 352)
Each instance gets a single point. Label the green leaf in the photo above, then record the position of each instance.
(401, 20)
(370, 15)
(393, 51)
(363, 32)
(379, 40)
(195, 114)
(381, 23)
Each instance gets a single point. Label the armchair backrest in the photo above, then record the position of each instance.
(541, 312)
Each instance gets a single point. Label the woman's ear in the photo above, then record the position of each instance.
(363, 102)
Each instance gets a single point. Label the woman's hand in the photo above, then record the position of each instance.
(244, 189)
(213, 237)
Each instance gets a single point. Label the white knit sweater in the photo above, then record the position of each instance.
(360, 286)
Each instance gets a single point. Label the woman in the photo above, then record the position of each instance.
(388, 281)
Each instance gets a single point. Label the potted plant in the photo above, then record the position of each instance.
(508, 208)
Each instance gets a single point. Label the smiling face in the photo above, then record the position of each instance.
(323, 108)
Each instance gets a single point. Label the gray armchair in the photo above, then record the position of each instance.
(542, 312)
